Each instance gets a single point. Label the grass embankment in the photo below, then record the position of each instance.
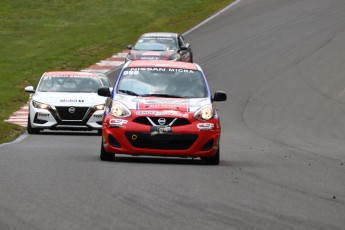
(44, 35)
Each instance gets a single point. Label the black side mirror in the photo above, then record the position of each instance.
(129, 47)
(104, 91)
(219, 96)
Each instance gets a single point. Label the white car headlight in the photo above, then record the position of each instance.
(119, 110)
(40, 105)
(99, 107)
(204, 113)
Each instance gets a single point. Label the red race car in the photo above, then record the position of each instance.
(161, 108)
(160, 46)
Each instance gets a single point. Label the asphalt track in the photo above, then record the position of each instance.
(282, 150)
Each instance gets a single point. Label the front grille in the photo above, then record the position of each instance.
(64, 114)
(171, 141)
(72, 123)
(145, 121)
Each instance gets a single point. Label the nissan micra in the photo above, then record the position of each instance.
(161, 108)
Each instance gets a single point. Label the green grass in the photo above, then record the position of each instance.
(44, 35)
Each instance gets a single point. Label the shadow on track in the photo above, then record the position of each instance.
(68, 133)
(161, 160)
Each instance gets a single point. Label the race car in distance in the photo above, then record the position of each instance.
(67, 100)
(161, 108)
(160, 46)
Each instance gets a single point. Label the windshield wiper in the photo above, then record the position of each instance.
(161, 95)
(128, 92)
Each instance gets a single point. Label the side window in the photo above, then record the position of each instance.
(105, 81)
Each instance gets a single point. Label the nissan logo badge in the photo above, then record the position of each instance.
(161, 121)
(71, 110)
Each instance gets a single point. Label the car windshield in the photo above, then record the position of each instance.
(73, 84)
(162, 82)
(156, 44)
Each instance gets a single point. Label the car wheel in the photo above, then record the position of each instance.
(30, 129)
(214, 160)
(106, 156)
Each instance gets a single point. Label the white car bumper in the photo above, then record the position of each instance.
(59, 118)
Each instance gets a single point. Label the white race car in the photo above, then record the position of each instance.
(67, 100)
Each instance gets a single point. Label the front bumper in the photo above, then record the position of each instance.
(192, 139)
(56, 118)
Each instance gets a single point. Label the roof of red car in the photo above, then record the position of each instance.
(162, 64)
(70, 74)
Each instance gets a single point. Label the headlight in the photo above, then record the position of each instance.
(119, 110)
(40, 105)
(99, 107)
(204, 113)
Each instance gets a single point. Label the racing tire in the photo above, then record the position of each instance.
(30, 129)
(106, 156)
(99, 132)
(214, 160)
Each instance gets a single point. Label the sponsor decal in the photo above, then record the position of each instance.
(71, 100)
(205, 126)
(160, 130)
(163, 113)
(149, 58)
(166, 103)
(98, 116)
(117, 122)
(181, 70)
(156, 69)
(42, 116)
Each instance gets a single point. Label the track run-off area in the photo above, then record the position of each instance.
(281, 63)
